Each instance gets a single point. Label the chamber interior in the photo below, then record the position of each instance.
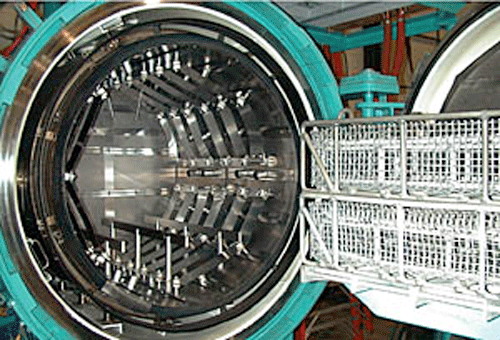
(188, 171)
(172, 170)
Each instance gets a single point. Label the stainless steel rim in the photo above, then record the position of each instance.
(16, 121)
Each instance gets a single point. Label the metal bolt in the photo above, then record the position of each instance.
(176, 284)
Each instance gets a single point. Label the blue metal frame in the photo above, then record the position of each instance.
(375, 35)
(4, 64)
(34, 316)
(323, 86)
(50, 7)
(447, 6)
(371, 85)
(29, 15)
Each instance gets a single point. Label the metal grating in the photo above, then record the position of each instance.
(443, 158)
(409, 200)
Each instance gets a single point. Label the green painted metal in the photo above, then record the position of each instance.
(28, 15)
(447, 6)
(4, 64)
(322, 84)
(302, 49)
(8, 320)
(442, 336)
(379, 109)
(375, 35)
(371, 85)
(281, 327)
(34, 316)
(50, 7)
(369, 81)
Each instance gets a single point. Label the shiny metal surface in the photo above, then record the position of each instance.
(162, 172)
(471, 40)
(407, 203)
(411, 224)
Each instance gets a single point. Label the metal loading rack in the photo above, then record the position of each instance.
(408, 203)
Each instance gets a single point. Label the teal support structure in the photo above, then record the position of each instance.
(50, 7)
(28, 15)
(371, 86)
(447, 6)
(375, 35)
(324, 86)
(302, 49)
(4, 64)
(26, 307)
(442, 336)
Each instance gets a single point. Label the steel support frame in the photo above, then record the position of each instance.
(299, 44)
(368, 284)
(375, 35)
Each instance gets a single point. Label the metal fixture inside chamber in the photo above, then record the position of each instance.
(158, 172)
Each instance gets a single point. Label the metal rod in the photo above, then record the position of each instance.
(168, 264)
(319, 162)
(485, 160)
(316, 234)
(112, 230)
(111, 109)
(219, 243)
(302, 231)
(431, 203)
(336, 158)
(303, 182)
(402, 132)
(138, 108)
(410, 117)
(482, 251)
(336, 251)
(400, 226)
(108, 262)
(137, 249)
(186, 237)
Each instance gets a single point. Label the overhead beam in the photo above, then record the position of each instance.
(446, 6)
(28, 15)
(375, 35)
(333, 13)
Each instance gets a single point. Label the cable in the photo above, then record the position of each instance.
(386, 47)
(9, 49)
(398, 59)
(19, 38)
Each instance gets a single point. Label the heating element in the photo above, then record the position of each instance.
(152, 171)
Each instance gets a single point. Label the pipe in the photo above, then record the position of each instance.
(386, 47)
(367, 319)
(300, 333)
(9, 49)
(400, 45)
(356, 318)
(338, 65)
(334, 60)
(327, 53)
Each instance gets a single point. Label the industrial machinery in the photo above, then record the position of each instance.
(150, 170)
(165, 176)
(404, 209)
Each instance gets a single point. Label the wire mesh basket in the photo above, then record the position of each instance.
(409, 199)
